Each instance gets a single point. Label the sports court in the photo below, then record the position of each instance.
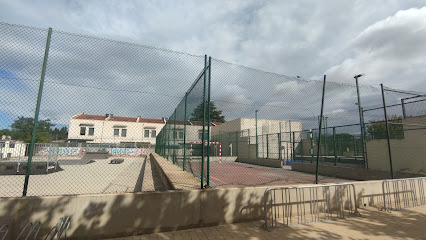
(236, 174)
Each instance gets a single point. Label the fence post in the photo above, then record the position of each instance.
(184, 135)
(387, 131)
(267, 146)
(175, 136)
(289, 125)
(209, 123)
(311, 136)
(204, 124)
(236, 143)
(335, 146)
(403, 108)
(248, 135)
(319, 132)
(294, 154)
(279, 146)
(37, 111)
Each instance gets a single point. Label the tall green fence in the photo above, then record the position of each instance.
(81, 115)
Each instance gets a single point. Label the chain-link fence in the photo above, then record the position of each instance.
(100, 107)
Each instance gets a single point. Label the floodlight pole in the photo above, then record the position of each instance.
(361, 122)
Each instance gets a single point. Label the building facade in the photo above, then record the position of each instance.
(11, 148)
(113, 129)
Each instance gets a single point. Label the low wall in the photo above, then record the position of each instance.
(347, 171)
(20, 168)
(118, 215)
(262, 162)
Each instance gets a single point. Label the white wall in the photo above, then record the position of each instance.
(104, 131)
(17, 151)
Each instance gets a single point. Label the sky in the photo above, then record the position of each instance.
(385, 40)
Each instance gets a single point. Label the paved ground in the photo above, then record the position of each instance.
(374, 224)
(133, 175)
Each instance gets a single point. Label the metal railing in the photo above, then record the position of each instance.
(287, 206)
(403, 193)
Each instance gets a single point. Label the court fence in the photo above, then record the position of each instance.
(86, 101)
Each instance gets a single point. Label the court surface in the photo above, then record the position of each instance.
(234, 174)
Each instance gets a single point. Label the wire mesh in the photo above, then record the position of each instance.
(106, 105)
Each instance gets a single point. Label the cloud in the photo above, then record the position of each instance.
(390, 51)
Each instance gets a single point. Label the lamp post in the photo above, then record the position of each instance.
(256, 133)
(361, 122)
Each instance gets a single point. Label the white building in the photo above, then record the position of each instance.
(274, 137)
(11, 148)
(113, 129)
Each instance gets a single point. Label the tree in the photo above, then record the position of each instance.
(215, 114)
(59, 134)
(22, 130)
(377, 128)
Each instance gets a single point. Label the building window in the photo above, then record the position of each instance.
(82, 131)
(91, 131)
(200, 135)
(117, 132)
(11, 145)
(9, 155)
(153, 133)
(181, 135)
(2, 145)
(146, 134)
(123, 132)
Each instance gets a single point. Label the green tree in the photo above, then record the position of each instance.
(59, 133)
(377, 128)
(215, 114)
(22, 130)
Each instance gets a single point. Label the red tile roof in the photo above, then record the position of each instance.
(88, 117)
(117, 118)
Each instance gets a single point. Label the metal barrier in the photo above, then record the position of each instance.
(32, 229)
(61, 227)
(4, 229)
(287, 206)
(403, 193)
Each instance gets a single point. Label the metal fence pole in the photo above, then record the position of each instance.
(289, 126)
(319, 132)
(236, 143)
(184, 135)
(335, 146)
(175, 136)
(387, 131)
(204, 124)
(404, 114)
(279, 146)
(267, 146)
(293, 147)
(311, 136)
(209, 123)
(37, 111)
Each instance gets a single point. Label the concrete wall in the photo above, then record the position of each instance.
(408, 154)
(347, 171)
(115, 215)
